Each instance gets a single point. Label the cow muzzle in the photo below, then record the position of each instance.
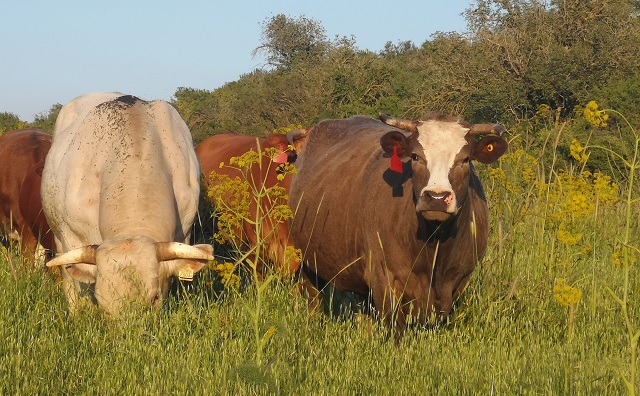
(437, 205)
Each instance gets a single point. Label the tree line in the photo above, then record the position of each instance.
(530, 65)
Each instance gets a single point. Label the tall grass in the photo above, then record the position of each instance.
(509, 334)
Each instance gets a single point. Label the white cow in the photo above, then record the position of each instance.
(120, 191)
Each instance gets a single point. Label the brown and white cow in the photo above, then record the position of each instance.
(274, 233)
(120, 189)
(22, 155)
(394, 211)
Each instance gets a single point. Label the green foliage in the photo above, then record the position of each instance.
(527, 64)
(286, 41)
(10, 122)
(46, 121)
(198, 109)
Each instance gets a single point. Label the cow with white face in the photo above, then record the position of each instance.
(393, 211)
(440, 149)
(120, 191)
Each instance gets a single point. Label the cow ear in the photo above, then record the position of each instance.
(277, 140)
(395, 139)
(489, 148)
(85, 273)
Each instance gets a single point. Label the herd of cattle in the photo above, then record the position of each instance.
(390, 210)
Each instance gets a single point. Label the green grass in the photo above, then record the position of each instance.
(501, 340)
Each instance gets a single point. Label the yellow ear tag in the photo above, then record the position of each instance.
(186, 274)
(489, 148)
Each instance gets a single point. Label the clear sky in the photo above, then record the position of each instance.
(54, 51)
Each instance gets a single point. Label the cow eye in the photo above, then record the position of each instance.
(414, 156)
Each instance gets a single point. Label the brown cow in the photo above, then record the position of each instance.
(405, 234)
(23, 153)
(220, 148)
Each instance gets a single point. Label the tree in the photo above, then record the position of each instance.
(10, 122)
(557, 52)
(46, 121)
(286, 40)
(198, 108)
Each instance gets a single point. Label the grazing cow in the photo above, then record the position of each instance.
(221, 148)
(120, 190)
(23, 153)
(407, 234)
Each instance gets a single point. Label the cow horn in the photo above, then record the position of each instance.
(296, 134)
(85, 255)
(487, 129)
(407, 125)
(176, 250)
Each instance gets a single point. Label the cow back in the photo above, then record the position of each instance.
(341, 200)
(127, 167)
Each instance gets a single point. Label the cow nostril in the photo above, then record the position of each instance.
(439, 198)
(444, 196)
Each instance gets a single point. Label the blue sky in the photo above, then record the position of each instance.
(53, 51)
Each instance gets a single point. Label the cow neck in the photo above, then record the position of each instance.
(431, 230)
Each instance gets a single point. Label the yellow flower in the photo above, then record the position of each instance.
(615, 259)
(595, 116)
(606, 191)
(565, 294)
(292, 253)
(578, 152)
(579, 204)
(568, 238)
(226, 272)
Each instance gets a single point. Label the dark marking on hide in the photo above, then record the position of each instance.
(395, 180)
(128, 99)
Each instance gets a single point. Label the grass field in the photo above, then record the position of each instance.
(552, 309)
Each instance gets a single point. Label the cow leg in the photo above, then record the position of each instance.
(70, 291)
(308, 290)
(390, 307)
(29, 247)
(79, 294)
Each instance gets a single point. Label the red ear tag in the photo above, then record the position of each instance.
(396, 164)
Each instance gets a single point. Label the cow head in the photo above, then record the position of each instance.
(289, 145)
(440, 149)
(132, 270)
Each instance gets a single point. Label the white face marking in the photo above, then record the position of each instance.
(441, 141)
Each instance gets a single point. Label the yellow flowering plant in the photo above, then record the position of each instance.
(248, 209)
(624, 257)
